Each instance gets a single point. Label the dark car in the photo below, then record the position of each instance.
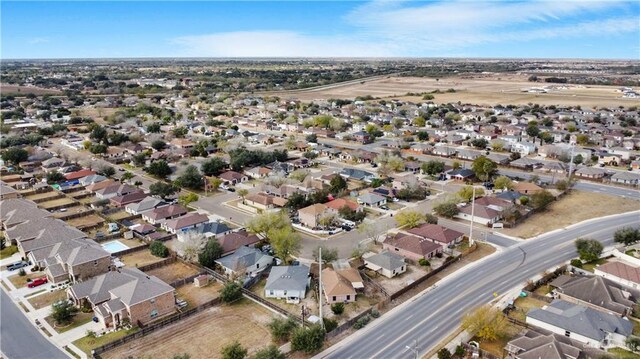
(231, 189)
(17, 265)
(488, 185)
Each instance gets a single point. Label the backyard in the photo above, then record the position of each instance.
(392, 285)
(204, 334)
(118, 215)
(196, 296)
(496, 347)
(86, 221)
(309, 301)
(573, 208)
(173, 272)
(523, 305)
(86, 344)
(139, 258)
(56, 203)
(42, 196)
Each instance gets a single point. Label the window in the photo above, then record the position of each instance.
(334, 298)
(154, 313)
(348, 297)
(396, 249)
(567, 333)
(95, 263)
(285, 292)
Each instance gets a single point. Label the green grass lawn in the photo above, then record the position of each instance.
(86, 344)
(8, 252)
(592, 265)
(624, 354)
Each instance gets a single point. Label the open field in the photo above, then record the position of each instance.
(55, 203)
(573, 208)
(23, 90)
(139, 258)
(173, 272)
(46, 299)
(196, 296)
(481, 90)
(204, 334)
(85, 221)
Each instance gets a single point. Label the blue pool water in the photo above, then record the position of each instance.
(114, 246)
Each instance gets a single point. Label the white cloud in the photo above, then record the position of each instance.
(397, 28)
(37, 40)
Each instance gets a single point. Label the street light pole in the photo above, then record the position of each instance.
(414, 350)
(473, 206)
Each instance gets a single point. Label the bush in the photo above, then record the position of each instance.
(444, 353)
(439, 255)
(231, 292)
(270, 352)
(329, 324)
(22, 272)
(460, 351)
(423, 262)
(360, 323)
(234, 351)
(576, 263)
(63, 312)
(374, 313)
(337, 308)
(308, 340)
(158, 249)
(281, 329)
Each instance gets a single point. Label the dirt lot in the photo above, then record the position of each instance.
(481, 90)
(17, 90)
(140, 258)
(55, 203)
(573, 208)
(118, 215)
(196, 296)
(46, 299)
(204, 334)
(85, 221)
(173, 272)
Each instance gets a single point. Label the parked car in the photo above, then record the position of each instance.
(386, 208)
(37, 282)
(231, 189)
(17, 265)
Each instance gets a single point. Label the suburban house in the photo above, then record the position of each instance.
(76, 175)
(408, 181)
(357, 174)
(73, 260)
(245, 261)
(17, 210)
(526, 188)
(460, 174)
(124, 295)
(311, 216)
(481, 214)
(231, 178)
(261, 201)
(412, 247)
(157, 215)
(232, 241)
(7, 192)
(115, 189)
(337, 204)
(370, 199)
(444, 236)
(588, 326)
(336, 288)
(184, 223)
(362, 137)
(629, 178)
(257, 172)
(533, 345)
(386, 263)
(620, 272)
(125, 199)
(596, 292)
(591, 172)
(287, 282)
(38, 233)
(146, 204)
(215, 229)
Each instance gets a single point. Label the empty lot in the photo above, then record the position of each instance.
(173, 272)
(204, 334)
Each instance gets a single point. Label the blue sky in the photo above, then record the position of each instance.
(387, 28)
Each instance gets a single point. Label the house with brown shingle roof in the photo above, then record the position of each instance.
(444, 236)
(232, 178)
(620, 272)
(259, 200)
(310, 216)
(184, 223)
(336, 288)
(412, 247)
(156, 215)
(234, 240)
(527, 188)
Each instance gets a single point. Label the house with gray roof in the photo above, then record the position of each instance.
(127, 294)
(18, 210)
(245, 261)
(287, 282)
(535, 345)
(357, 174)
(586, 325)
(215, 229)
(371, 200)
(146, 204)
(596, 292)
(386, 263)
(73, 260)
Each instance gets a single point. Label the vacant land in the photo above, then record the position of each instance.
(23, 90)
(139, 258)
(86, 221)
(196, 296)
(173, 272)
(204, 334)
(480, 90)
(573, 208)
(45, 300)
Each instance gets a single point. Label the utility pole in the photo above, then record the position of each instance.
(571, 163)
(414, 350)
(473, 207)
(320, 286)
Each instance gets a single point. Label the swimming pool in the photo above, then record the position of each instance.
(114, 246)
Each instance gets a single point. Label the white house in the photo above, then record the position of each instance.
(386, 263)
(287, 282)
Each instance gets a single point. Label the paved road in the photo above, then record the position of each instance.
(430, 317)
(19, 338)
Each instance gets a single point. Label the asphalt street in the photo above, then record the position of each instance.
(430, 317)
(19, 339)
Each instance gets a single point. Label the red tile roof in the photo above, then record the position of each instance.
(79, 174)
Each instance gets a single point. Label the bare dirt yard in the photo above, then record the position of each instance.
(481, 90)
(41, 196)
(570, 209)
(196, 296)
(55, 203)
(139, 258)
(392, 285)
(173, 272)
(203, 335)
(86, 221)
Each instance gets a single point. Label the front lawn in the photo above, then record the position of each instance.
(78, 320)
(45, 300)
(592, 265)
(8, 252)
(87, 344)
(20, 281)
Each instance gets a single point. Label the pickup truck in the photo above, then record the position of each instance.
(17, 265)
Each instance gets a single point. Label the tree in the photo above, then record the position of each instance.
(154, 128)
(159, 168)
(191, 245)
(430, 218)
(162, 189)
(312, 138)
(533, 130)
(270, 352)
(466, 193)
(158, 249)
(484, 168)
(139, 159)
(633, 343)
(99, 134)
(265, 222)
(281, 329)
(243, 193)
(190, 178)
(214, 183)
(503, 182)
(446, 209)
(372, 230)
(234, 351)
(480, 143)
(337, 184)
(541, 200)
(562, 185)
(328, 254)
(97, 148)
(627, 235)
(413, 192)
(409, 219)
(106, 171)
(213, 166)
(308, 340)
(337, 308)
(285, 242)
(15, 155)
(187, 199)
(486, 322)
(231, 292)
(211, 251)
(54, 177)
(589, 249)
(126, 176)
(444, 353)
(180, 132)
(158, 145)
(297, 200)
(351, 215)
(62, 312)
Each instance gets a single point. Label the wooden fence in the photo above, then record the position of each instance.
(483, 353)
(183, 281)
(422, 279)
(153, 327)
(131, 250)
(159, 264)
